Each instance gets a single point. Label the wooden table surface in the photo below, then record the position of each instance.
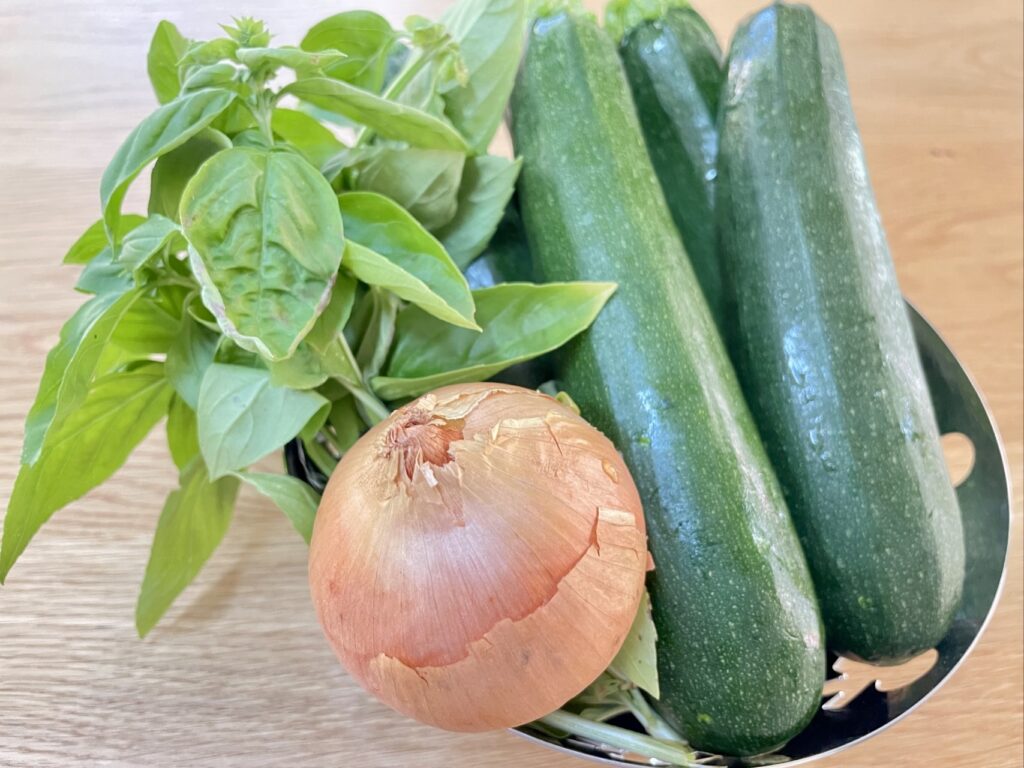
(238, 673)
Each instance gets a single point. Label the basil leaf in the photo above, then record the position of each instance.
(243, 417)
(94, 239)
(601, 697)
(83, 451)
(487, 185)
(312, 427)
(637, 659)
(267, 241)
(333, 390)
(520, 321)
(341, 167)
(189, 357)
(359, 321)
(444, 68)
(103, 275)
(303, 62)
(168, 127)
(205, 318)
(366, 39)
(326, 116)
(333, 319)
(182, 433)
(305, 369)
(331, 323)
(206, 52)
(295, 498)
(340, 363)
(193, 522)
(389, 119)
(147, 240)
(254, 138)
(422, 91)
(423, 181)
(347, 376)
(221, 74)
(376, 270)
(380, 331)
(344, 420)
(318, 356)
(490, 34)
(394, 251)
(248, 31)
(305, 134)
(232, 354)
(235, 119)
(172, 171)
(70, 366)
(266, 238)
(165, 50)
(149, 326)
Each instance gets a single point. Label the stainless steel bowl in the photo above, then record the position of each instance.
(985, 505)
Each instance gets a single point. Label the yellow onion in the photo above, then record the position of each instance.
(478, 557)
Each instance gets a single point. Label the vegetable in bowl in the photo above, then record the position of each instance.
(309, 271)
(741, 654)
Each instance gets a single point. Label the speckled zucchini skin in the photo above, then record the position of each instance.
(674, 68)
(740, 651)
(824, 346)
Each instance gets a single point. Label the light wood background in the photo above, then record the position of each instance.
(238, 673)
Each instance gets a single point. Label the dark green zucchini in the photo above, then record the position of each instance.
(740, 651)
(824, 346)
(674, 67)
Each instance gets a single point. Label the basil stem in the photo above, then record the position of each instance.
(676, 753)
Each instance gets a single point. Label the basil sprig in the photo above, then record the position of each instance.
(300, 268)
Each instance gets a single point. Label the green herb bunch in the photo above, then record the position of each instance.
(311, 212)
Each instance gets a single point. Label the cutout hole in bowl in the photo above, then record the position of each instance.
(959, 452)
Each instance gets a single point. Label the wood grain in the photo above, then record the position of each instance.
(239, 674)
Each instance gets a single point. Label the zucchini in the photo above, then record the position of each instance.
(740, 651)
(824, 346)
(674, 67)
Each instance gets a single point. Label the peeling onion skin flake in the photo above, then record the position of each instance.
(478, 557)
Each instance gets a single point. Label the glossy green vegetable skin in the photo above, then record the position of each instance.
(740, 651)
(674, 68)
(824, 346)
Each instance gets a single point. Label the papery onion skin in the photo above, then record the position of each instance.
(478, 557)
